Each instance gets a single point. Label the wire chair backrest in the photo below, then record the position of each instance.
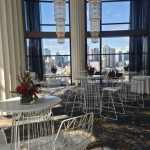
(74, 133)
(35, 129)
(92, 102)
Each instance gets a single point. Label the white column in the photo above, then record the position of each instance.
(11, 45)
(77, 23)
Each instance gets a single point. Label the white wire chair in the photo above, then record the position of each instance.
(112, 101)
(32, 130)
(92, 102)
(72, 100)
(74, 133)
(92, 98)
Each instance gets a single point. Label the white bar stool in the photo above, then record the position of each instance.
(109, 96)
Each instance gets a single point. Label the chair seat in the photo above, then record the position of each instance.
(73, 134)
(74, 140)
(111, 89)
(5, 146)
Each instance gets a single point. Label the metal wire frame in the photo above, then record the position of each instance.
(111, 101)
(72, 100)
(31, 128)
(92, 98)
(74, 133)
(92, 102)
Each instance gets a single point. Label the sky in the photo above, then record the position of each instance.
(112, 12)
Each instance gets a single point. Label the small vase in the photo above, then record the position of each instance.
(91, 74)
(54, 72)
(26, 99)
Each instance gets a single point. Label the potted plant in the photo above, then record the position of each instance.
(53, 69)
(90, 70)
(26, 88)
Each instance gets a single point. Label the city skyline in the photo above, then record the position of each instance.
(113, 60)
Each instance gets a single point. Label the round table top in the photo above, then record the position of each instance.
(94, 77)
(13, 105)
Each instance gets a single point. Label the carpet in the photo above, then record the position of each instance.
(130, 132)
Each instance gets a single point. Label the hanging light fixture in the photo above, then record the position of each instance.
(60, 16)
(94, 17)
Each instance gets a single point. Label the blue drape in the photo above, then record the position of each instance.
(139, 19)
(32, 16)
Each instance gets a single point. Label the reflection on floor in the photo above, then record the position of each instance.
(130, 132)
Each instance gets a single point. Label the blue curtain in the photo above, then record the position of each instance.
(139, 19)
(32, 16)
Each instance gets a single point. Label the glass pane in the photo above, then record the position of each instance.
(47, 13)
(115, 45)
(62, 63)
(55, 48)
(93, 52)
(121, 60)
(115, 62)
(93, 48)
(87, 17)
(115, 27)
(52, 28)
(94, 61)
(115, 12)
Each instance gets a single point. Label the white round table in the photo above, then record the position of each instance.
(13, 105)
(35, 120)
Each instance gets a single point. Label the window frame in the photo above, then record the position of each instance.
(113, 33)
(47, 35)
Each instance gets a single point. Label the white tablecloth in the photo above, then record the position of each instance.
(140, 84)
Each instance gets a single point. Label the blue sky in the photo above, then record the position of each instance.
(112, 12)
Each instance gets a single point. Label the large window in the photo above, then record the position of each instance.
(115, 49)
(52, 52)
(112, 50)
(115, 53)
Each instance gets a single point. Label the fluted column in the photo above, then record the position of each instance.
(12, 55)
(77, 20)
